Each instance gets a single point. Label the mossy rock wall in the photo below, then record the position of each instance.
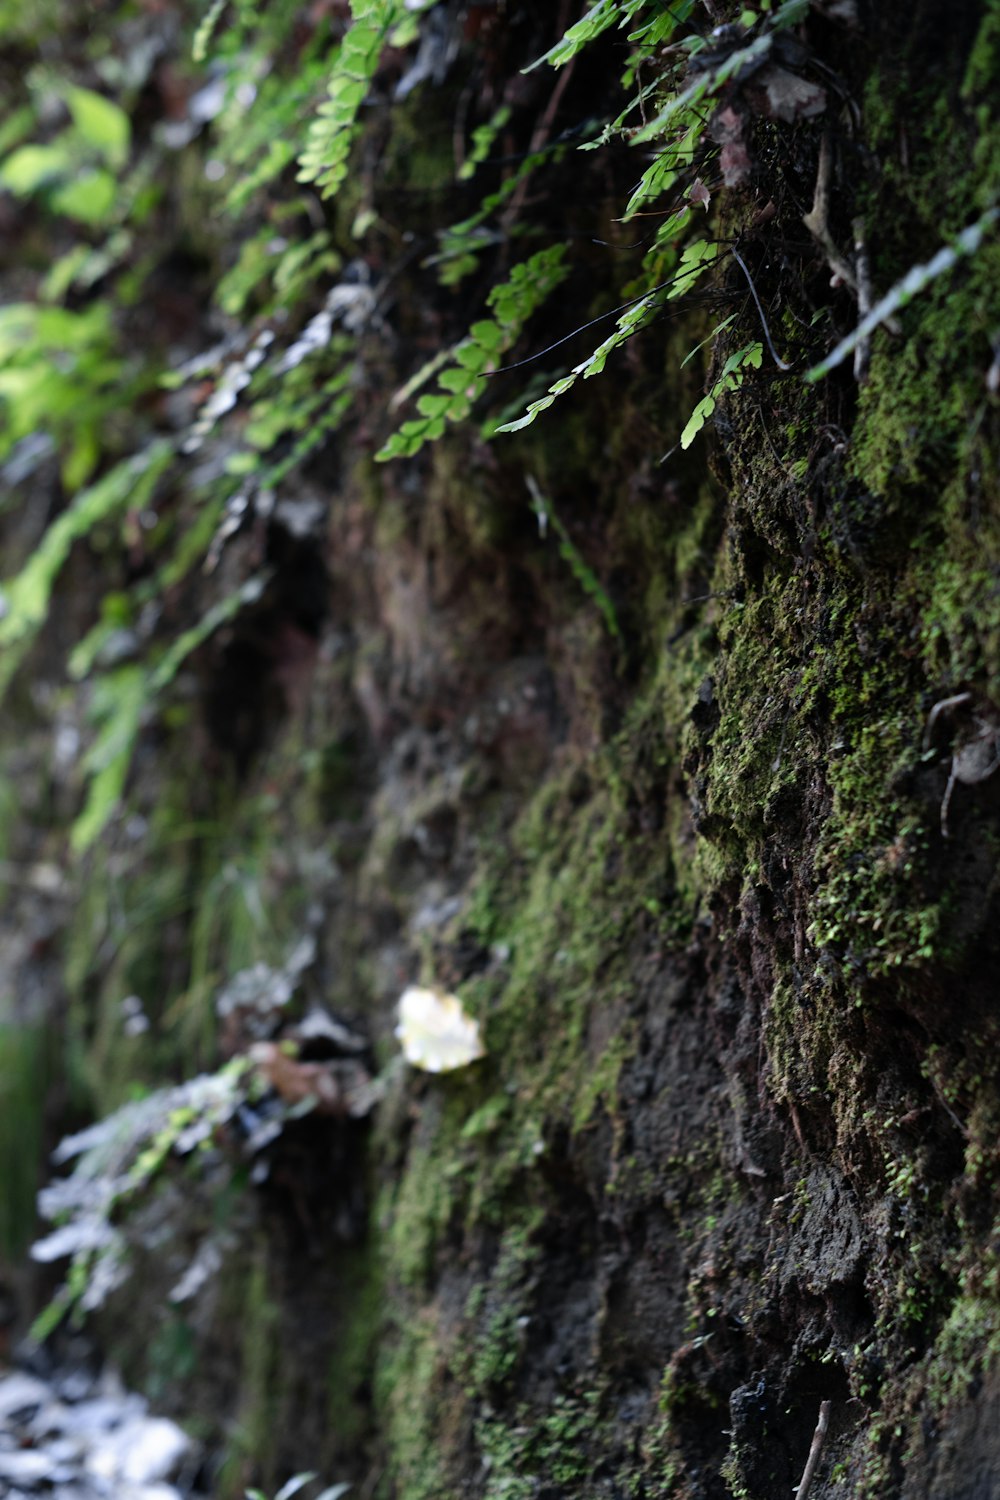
(690, 800)
(732, 1151)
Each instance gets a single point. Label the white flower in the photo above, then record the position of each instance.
(435, 1032)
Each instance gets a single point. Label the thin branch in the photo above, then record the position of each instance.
(814, 1451)
(943, 706)
(817, 221)
(915, 280)
(601, 317)
(763, 321)
(863, 352)
(542, 131)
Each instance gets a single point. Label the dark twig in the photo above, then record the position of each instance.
(719, 594)
(541, 133)
(943, 706)
(862, 267)
(622, 307)
(814, 1451)
(763, 321)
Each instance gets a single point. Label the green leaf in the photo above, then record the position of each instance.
(81, 460)
(403, 444)
(455, 380)
(529, 416)
(482, 141)
(298, 1482)
(656, 179)
(662, 28)
(708, 338)
(362, 44)
(513, 301)
(488, 334)
(730, 379)
(121, 700)
(31, 167)
(19, 123)
(751, 354)
(697, 420)
(425, 373)
(27, 594)
(202, 37)
(102, 124)
(89, 197)
(349, 92)
(434, 406)
(705, 83)
(471, 357)
(697, 257)
(598, 19)
(115, 616)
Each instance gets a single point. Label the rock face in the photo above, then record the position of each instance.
(674, 765)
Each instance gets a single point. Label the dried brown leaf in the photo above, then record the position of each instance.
(727, 128)
(781, 95)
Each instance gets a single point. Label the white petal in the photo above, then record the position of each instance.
(435, 1032)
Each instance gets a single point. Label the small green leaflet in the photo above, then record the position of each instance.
(324, 159)
(202, 37)
(708, 338)
(121, 697)
(462, 381)
(749, 357)
(482, 141)
(598, 19)
(705, 83)
(31, 167)
(696, 258)
(132, 481)
(606, 13)
(102, 124)
(630, 322)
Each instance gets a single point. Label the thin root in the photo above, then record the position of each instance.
(822, 1424)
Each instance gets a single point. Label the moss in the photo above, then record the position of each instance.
(359, 1306)
(756, 754)
(498, 1310)
(850, 656)
(966, 1349)
(921, 412)
(418, 1212)
(255, 1432)
(983, 66)
(563, 901)
(216, 884)
(173, 1357)
(778, 686)
(856, 589)
(919, 1402)
(581, 891)
(552, 1450)
(27, 1065)
(409, 1384)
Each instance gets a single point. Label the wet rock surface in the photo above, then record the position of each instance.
(81, 1436)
